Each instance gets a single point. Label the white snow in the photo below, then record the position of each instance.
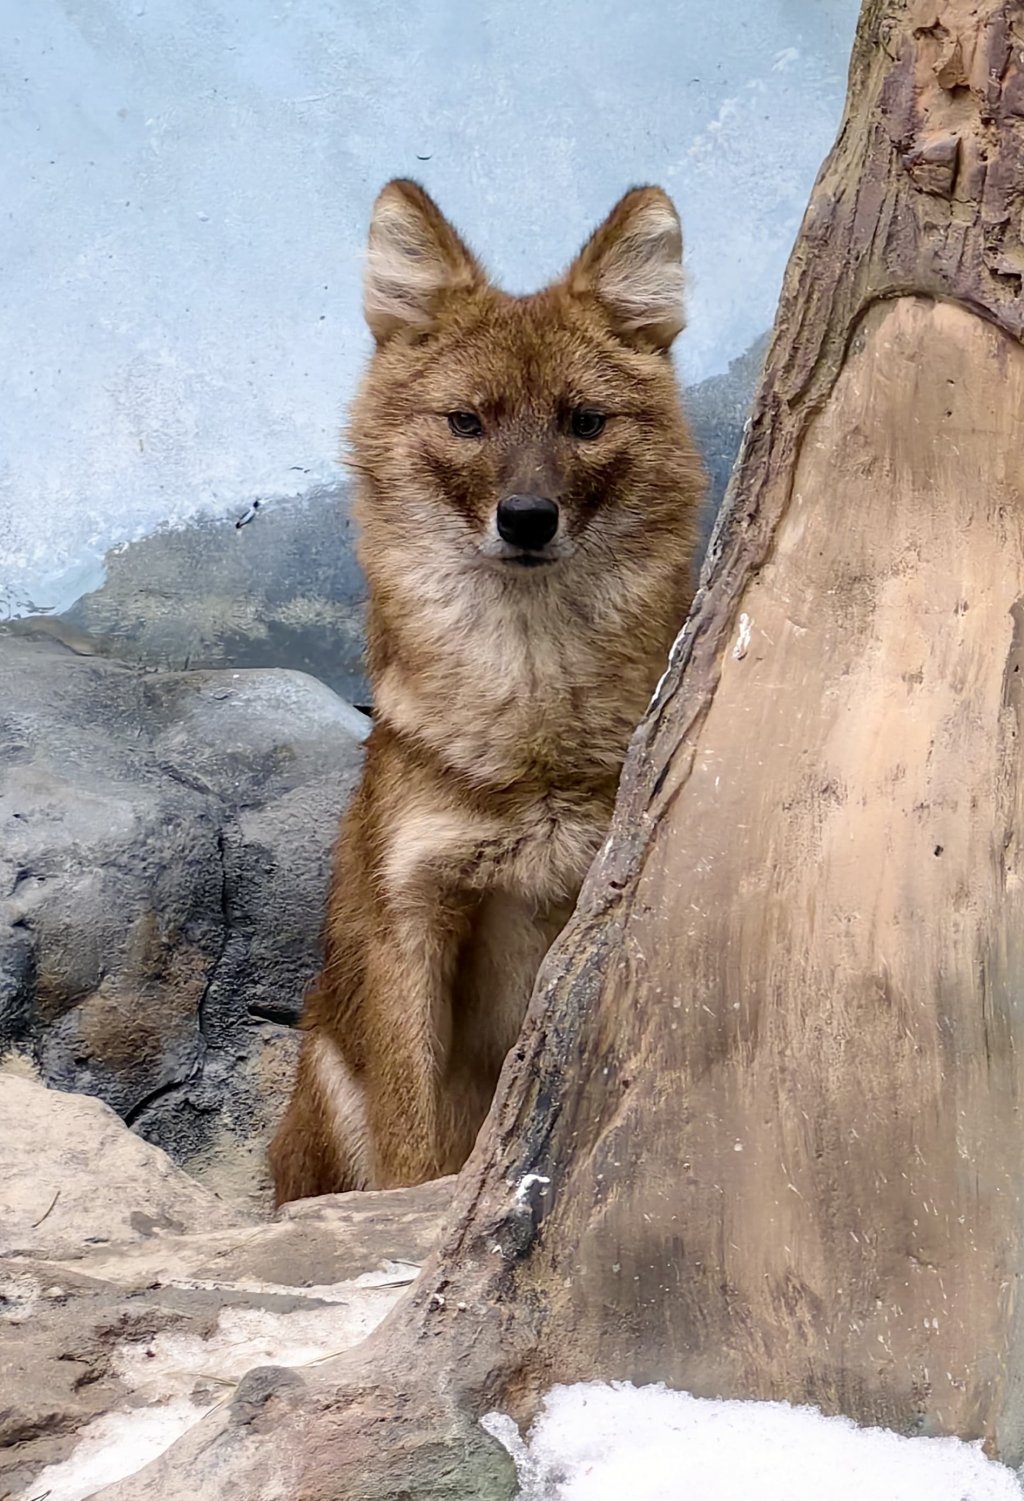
(112, 1447)
(527, 1183)
(597, 1442)
(673, 654)
(176, 1380)
(742, 646)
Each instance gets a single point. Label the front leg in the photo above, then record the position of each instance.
(408, 1020)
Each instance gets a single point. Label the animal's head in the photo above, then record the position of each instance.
(517, 434)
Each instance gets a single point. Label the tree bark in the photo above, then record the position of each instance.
(761, 1136)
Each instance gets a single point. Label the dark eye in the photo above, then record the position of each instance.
(465, 424)
(587, 423)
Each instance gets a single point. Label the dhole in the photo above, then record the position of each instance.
(527, 501)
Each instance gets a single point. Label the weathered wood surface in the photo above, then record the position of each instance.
(762, 1134)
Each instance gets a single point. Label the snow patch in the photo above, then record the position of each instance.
(172, 1365)
(596, 1442)
(113, 1447)
(742, 646)
(182, 1378)
(527, 1183)
(672, 658)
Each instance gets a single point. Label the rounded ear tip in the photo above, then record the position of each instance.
(653, 204)
(400, 190)
(648, 194)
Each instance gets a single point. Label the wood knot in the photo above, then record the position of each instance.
(931, 162)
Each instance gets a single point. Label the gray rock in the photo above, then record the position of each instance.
(140, 1305)
(282, 591)
(164, 849)
(718, 409)
(17, 989)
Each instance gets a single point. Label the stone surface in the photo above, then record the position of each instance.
(284, 590)
(139, 1304)
(164, 846)
(717, 409)
(71, 1176)
(354, 1430)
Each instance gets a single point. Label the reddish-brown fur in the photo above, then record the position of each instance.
(505, 694)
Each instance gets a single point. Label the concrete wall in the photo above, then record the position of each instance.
(184, 188)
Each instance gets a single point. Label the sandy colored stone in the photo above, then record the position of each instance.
(140, 1305)
(72, 1177)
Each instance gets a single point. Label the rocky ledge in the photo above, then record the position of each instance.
(134, 1302)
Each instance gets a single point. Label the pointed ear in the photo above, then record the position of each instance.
(633, 266)
(415, 257)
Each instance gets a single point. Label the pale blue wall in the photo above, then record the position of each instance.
(184, 186)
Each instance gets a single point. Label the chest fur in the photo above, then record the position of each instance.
(512, 690)
(537, 851)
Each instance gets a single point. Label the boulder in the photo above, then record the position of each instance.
(718, 409)
(164, 850)
(283, 590)
(72, 1177)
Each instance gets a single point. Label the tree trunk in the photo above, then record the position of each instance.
(761, 1135)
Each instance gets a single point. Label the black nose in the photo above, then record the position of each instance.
(527, 520)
